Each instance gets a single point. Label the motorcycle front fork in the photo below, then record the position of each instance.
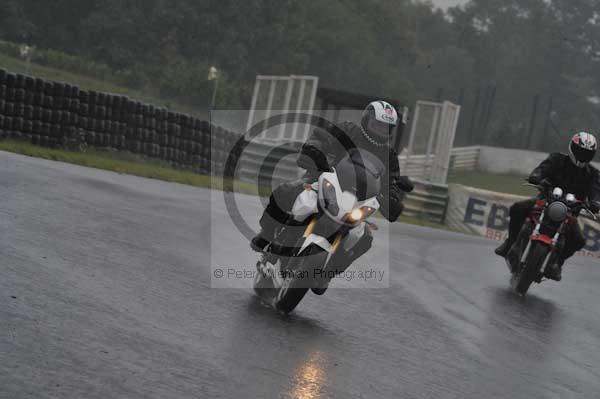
(536, 232)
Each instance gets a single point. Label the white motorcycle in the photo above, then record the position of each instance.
(329, 218)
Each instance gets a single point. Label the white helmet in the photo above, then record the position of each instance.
(378, 121)
(582, 149)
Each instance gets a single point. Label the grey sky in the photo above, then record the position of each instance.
(448, 3)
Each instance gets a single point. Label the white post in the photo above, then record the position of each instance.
(435, 172)
(272, 87)
(449, 139)
(298, 107)
(253, 105)
(413, 128)
(313, 96)
(214, 96)
(434, 132)
(449, 122)
(286, 104)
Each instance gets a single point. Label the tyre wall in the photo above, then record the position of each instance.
(61, 115)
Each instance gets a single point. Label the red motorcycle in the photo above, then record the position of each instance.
(541, 238)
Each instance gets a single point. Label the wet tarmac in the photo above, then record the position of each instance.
(105, 292)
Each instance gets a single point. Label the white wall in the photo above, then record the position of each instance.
(508, 160)
(511, 161)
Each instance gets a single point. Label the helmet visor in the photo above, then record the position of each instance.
(380, 129)
(581, 154)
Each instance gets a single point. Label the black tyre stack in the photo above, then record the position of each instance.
(57, 114)
(7, 90)
(4, 132)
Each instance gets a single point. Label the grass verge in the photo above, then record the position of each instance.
(510, 184)
(124, 162)
(16, 65)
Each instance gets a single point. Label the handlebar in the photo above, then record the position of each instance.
(589, 212)
(533, 185)
(582, 205)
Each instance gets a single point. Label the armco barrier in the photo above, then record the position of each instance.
(56, 114)
(427, 201)
(464, 159)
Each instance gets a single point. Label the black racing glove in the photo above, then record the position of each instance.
(391, 205)
(546, 186)
(313, 158)
(405, 184)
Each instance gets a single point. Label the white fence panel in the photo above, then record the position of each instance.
(431, 139)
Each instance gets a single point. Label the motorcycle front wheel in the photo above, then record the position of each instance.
(531, 269)
(301, 272)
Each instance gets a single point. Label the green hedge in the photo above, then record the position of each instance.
(181, 81)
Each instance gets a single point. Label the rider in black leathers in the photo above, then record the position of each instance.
(572, 173)
(327, 146)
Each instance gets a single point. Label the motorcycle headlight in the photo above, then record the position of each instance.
(329, 197)
(557, 211)
(557, 193)
(361, 213)
(356, 215)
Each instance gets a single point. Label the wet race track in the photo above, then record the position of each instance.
(105, 293)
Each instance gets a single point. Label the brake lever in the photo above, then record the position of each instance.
(372, 225)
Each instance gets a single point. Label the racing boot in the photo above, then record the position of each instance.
(269, 227)
(554, 272)
(264, 238)
(271, 221)
(259, 242)
(503, 249)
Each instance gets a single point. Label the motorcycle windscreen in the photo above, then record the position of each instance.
(360, 173)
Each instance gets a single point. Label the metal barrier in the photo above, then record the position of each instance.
(428, 201)
(464, 159)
